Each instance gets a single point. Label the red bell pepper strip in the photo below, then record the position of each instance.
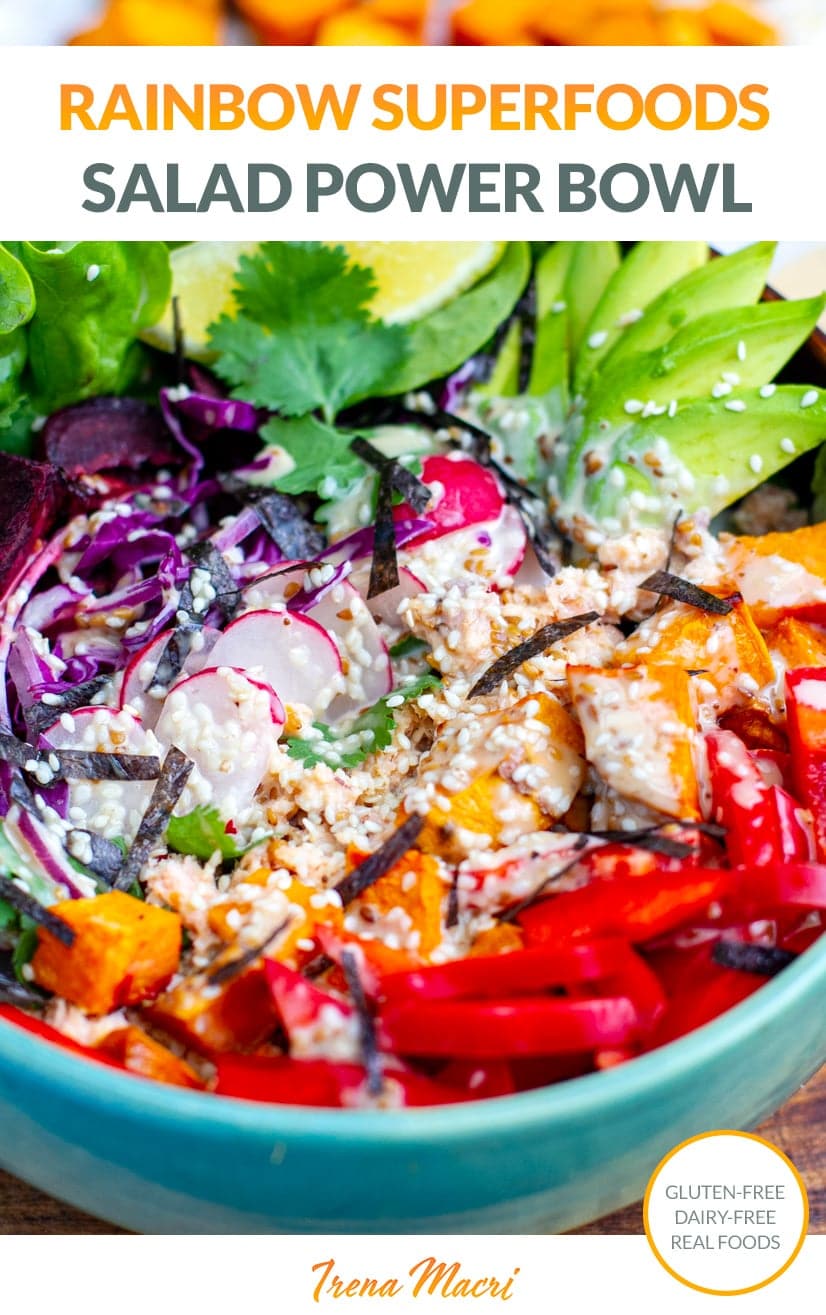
(298, 1001)
(774, 767)
(636, 909)
(508, 1028)
(282, 1081)
(637, 980)
(797, 838)
(806, 725)
(698, 990)
(517, 972)
(799, 885)
(759, 818)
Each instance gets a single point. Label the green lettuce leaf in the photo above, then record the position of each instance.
(92, 301)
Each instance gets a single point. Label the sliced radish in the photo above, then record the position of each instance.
(368, 675)
(385, 607)
(347, 618)
(491, 550)
(530, 574)
(136, 690)
(229, 726)
(291, 652)
(113, 809)
(465, 493)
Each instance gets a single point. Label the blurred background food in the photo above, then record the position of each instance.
(414, 22)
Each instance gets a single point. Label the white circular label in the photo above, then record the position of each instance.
(726, 1212)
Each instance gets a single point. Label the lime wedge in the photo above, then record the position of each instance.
(412, 279)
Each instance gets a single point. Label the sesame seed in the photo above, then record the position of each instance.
(755, 463)
(735, 405)
(741, 350)
(786, 445)
(768, 390)
(598, 339)
(633, 406)
(809, 398)
(721, 390)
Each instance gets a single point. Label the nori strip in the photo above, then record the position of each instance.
(318, 966)
(544, 639)
(384, 570)
(32, 908)
(289, 530)
(417, 494)
(452, 914)
(511, 913)
(652, 840)
(179, 644)
(169, 787)
(41, 715)
(385, 857)
(206, 557)
(15, 993)
(78, 764)
(683, 591)
(764, 960)
(20, 794)
(367, 1028)
(235, 966)
(106, 855)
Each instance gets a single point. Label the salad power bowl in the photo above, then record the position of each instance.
(414, 726)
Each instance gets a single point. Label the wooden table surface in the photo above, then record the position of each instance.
(798, 1129)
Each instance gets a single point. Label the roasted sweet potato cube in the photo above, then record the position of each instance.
(531, 768)
(780, 574)
(142, 1055)
(357, 27)
(798, 643)
(238, 1014)
(737, 25)
(414, 885)
(124, 952)
(729, 650)
(639, 728)
(288, 22)
(683, 27)
(490, 23)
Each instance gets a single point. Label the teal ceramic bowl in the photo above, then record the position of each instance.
(162, 1160)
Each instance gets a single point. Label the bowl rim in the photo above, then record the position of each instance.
(127, 1095)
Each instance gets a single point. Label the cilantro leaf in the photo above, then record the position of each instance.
(318, 450)
(370, 732)
(303, 338)
(409, 646)
(200, 833)
(8, 916)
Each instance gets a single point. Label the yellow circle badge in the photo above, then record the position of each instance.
(726, 1212)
